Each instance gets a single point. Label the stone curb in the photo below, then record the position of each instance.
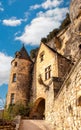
(17, 121)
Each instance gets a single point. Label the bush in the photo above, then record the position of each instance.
(33, 53)
(17, 109)
(53, 33)
(65, 22)
(44, 40)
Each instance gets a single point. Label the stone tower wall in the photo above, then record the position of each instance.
(20, 88)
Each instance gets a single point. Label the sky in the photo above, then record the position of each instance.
(25, 22)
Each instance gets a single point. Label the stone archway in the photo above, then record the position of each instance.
(39, 109)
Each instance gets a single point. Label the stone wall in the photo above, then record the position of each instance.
(64, 112)
(50, 58)
(21, 87)
(64, 66)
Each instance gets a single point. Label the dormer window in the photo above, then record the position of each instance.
(14, 78)
(41, 56)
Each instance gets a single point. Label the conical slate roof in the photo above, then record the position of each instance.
(23, 54)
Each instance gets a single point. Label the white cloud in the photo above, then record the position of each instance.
(35, 7)
(42, 25)
(17, 33)
(10, 2)
(4, 68)
(12, 21)
(1, 7)
(47, 4)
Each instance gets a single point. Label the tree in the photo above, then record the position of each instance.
(33, 53)
(17, 109)
(65, 22)
(44, 40)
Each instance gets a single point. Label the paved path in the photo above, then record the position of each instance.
(34, 125)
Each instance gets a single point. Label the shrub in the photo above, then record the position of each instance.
(17, 109)
(33, 53)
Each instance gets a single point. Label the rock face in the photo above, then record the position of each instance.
(70, 37)
(75, 9)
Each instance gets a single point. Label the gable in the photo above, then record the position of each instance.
(46, 51)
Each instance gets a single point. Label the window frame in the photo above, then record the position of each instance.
(14, 77)
(15, 64)
(41, 56)
(48, 72)
(12, 98)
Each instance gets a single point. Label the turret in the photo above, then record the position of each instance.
(20, 78)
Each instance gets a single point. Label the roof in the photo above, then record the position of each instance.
(22, 54)
(53, 50)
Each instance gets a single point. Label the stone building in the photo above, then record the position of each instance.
(20, 78)
(55, 76)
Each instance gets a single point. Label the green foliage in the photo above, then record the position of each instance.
(17, 109)
(33, 53)
(53, 33)
(65, 22)
(50, 36)
(7, 115)
(44, 40)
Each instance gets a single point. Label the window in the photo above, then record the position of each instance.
(42, 56)
(15, 64)
(48, 72)
(12, 98)
(78, 101)
(80, 46)
(14, 78)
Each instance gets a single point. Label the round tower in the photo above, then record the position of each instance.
(20, 78)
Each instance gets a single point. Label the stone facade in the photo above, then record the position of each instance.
(55, 89)
(63, 96)
(59, 67)
(64, 111)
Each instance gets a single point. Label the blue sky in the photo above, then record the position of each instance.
(25, 21)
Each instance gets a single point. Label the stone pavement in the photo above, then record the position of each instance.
(34, 125)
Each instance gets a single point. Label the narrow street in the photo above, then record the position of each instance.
(34, 125)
